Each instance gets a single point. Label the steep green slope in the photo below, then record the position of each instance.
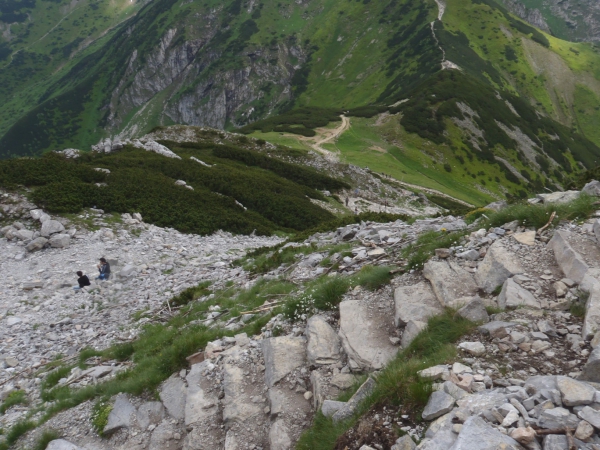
(41, 39)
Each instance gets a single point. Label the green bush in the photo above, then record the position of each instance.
(17, 397)
(46, 437)
(329, 294)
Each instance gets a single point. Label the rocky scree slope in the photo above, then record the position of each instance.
(527, 369)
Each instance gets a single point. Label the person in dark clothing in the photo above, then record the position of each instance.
(83, 281)
(104, 269)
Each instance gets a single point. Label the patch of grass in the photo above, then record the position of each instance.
(266, 259)
(54, 377)
(46, 437)
(18, 430)
(373, 277)
(329, 294)
(424, 247)
(578, 307)
(191, 294)
(538, 215)
(14, 398)
(493, 310)
(398, 383)
(497, 290)
(100, 413)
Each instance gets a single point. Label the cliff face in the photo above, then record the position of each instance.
(575, 20)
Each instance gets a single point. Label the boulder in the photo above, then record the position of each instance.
(575, 393)
(351, 405)
(473, 348)
(62, 444)
(590, 415)
(128, 271)
(50, 227)
(439, 404)
(559, 197)
(150, 413)
(364, 338)
(324, 346)
(282, 355)
(596, 229)
(121, 415)
(330, 407)
(449, 281)
(163, 437)
(416, 302)
(201, 401)
(557, 418)
(173, 395)
(591, 320)
(498, 265)
(59, 240)
(513, 295)
(591, 370)
(404, 443)
(237, 403)
(474, 311)
(411, 331)
(36, 244)
(279, 436)
(526, 238)
(592, 188)
(569, 261)
(24, 235)
(496, 328)
(36, 214)
(477, 434)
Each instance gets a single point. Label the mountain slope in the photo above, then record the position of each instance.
(574, 20)
(466, 77)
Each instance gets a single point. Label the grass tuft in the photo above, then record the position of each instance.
(373, 277)
(46, 437)
(14, 398)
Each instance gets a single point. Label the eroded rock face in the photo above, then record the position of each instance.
(282, 355)
(324, 346)
(363, 339)
(498, 265)
(449, 281)
(200, 403)
(416, 303)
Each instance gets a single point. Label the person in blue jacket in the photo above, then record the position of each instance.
(104, 269)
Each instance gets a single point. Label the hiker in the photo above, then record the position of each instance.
(104, 269)
(83, 281)
(347, 200)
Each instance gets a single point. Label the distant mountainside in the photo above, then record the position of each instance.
(465, 79)
(574, 20)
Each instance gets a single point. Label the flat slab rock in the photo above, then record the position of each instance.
(61, 444)
(449, 281)
(416, 303)
(364, 335)
(513, 296)
(477, 434)
(324, 346)
(282, 355)
(498, 265)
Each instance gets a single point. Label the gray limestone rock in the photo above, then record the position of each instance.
(592, 188)
(477, 434)
(449, 281)
(350, 406)
(590, 415)
(591, 321)
(416, 302)
(555, 442)
(173, 395)
(404, 443)
(453, 390)
(324, 346)
(36, 244)
(50, 227)
(591, 370)
(498, 265)
(150, 413)
(330, 407)
(237, 405)
(282, 355)
(494, 327)
(439, 404)
(62, 444)
(279, 436)
(411, 331)
(474, 311)
(559, 197)
(163, 437)
(363, 337)
(59, 240)
(596, 229)
(570, 262)
(121, 414)
(557, 418)
(24, 235)
(512, 296)
(200, 404)
(575, 393)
